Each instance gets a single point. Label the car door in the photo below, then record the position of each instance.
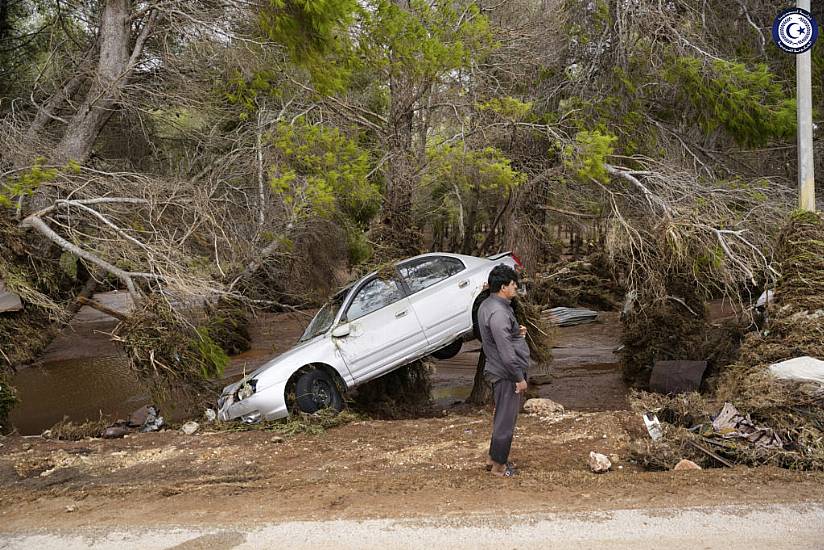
(383, 329)
(441, 294)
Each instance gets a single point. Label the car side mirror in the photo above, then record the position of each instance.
(340, 331)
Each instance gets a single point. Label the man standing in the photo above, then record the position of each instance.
(507, 358)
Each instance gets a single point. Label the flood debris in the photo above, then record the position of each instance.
(731, 423)
(599, 463)
(176, 360)
(568, 316)
(152, 421)
(749, 416)
(66, 430)
(677, 376)
(585, 283)
(653, 426)
(405, 392)
(800, 369)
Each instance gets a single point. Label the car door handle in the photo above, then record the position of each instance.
(400, 314)
(463, 284)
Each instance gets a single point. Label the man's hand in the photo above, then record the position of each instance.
(520, 387)
(522, 331)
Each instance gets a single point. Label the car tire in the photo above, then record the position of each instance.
(315, 390)
(448, 352)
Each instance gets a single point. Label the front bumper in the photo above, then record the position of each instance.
(265, 404)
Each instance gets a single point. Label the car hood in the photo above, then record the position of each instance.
(281, 367)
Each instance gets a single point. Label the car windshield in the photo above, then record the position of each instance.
(325, 317)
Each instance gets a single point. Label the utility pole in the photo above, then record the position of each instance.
(806, 176)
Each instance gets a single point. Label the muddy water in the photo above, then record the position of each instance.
(79, 388)
(83, 374)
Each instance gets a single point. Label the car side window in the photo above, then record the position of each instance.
(426, 272)
(374, 295)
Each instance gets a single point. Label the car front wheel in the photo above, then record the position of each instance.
(315, 390)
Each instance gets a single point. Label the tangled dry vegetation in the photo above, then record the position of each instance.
(793, 410)
(583, 283)
(403, 393)
(174, 359)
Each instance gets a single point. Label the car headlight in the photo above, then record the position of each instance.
(246, 389)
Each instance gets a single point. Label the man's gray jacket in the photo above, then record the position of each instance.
(507, 353)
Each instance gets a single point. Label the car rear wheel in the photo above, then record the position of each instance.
(315, 390)
(449, 351)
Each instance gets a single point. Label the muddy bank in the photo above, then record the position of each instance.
(411, 468)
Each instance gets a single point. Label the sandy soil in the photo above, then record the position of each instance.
(377, 469)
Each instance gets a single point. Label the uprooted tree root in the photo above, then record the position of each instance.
(175, 360)
(794, 410)
(403, 393)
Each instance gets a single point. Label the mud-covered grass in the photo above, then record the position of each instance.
(300, 423)
(66, 430)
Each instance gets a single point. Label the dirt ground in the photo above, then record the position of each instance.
(378, 469)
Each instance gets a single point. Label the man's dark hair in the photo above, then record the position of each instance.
(501, 275)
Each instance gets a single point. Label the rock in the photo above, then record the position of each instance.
(70, 508)
(190, 427)
(25, 446)
(599, 463)
(685, 464)
(210, 415)
(114, 432)
(277, 439)
(542, 406)
(138, 417)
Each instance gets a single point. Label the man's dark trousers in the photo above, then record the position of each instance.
(507, 405)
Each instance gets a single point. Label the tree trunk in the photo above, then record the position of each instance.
(481, 390)
(107, 87)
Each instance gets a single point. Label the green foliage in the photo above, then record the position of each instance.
(426, 40)
(507, 107)
(458, 166)
(358, 246)
(588, 155)
(315, 33)
(323, 173)
(211, 357)
(748, 102)
(28, 181)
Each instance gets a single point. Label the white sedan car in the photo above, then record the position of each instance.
(383, 321)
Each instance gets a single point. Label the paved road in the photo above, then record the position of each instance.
(726, 527)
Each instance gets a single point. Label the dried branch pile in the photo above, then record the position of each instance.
(793, 410)
(585, 283)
